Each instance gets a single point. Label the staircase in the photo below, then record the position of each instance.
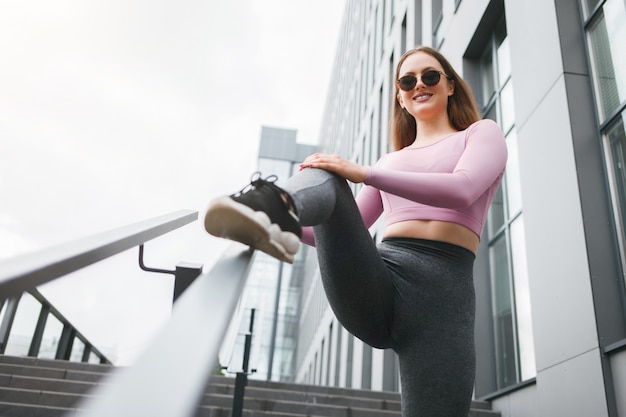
(32, 387)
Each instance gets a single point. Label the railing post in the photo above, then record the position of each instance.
(9, 315)
(185, 274)
(35, 343)
(241, 379)
(64, 349)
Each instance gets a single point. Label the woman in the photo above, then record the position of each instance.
(413, 292)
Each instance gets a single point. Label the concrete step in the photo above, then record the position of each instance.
(261, 396)
(58, 364)
(311, 393)
(39, 397)
(9, 409)
(220, 412)
(483, 413)
(31, 387)
(345, 407)
(303, 412)
(296, 399)
(45, 384)
(314, 389)
(50, 373)
(302, 399)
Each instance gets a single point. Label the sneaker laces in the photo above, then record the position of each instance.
(256, 182)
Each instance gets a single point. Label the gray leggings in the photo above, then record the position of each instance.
(411, 295)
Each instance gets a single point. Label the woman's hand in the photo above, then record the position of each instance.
(337, 164)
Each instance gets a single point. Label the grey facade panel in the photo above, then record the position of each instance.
(484, 335)
(536, 62)
(570, 388)
(571, 37)
(564, 320)
(521, 403)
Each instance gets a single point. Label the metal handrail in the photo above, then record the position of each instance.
(28, 271)
(169, 378)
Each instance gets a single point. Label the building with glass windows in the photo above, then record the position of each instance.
(549, 276)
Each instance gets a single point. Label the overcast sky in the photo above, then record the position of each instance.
(115, 111)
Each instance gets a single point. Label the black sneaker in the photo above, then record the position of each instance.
(258, 216)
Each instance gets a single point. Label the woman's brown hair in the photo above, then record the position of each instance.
(462, 107)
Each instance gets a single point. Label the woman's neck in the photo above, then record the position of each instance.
(433, 130)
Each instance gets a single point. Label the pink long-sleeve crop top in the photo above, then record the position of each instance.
(452, 180)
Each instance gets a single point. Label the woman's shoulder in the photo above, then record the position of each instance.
(385, 157)
(484, 124)
(484, 128)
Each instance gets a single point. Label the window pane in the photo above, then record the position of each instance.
(3, 311)
(495, 218)
(615, 15)
(508, 111)
(491, 113)
(590, 5)
(50, 339)
(487, 79)
(93, 358)
(522, 300)
(607, 39)
(23, 327)
(512, 177)
(504, 331)
(78, 347)
(616, 141)
(504, 61)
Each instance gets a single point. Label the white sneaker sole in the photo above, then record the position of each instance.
(235, 221)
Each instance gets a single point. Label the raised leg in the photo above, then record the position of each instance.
(355, 277)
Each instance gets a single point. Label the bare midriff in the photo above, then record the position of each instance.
(435, 230)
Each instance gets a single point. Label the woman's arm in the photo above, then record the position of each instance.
(481, 163)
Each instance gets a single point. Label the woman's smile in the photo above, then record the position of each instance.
(423, 96)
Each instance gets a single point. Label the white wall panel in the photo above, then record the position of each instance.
(562, 305)
(535, 52)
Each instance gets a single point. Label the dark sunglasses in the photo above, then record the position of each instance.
(430, 78)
